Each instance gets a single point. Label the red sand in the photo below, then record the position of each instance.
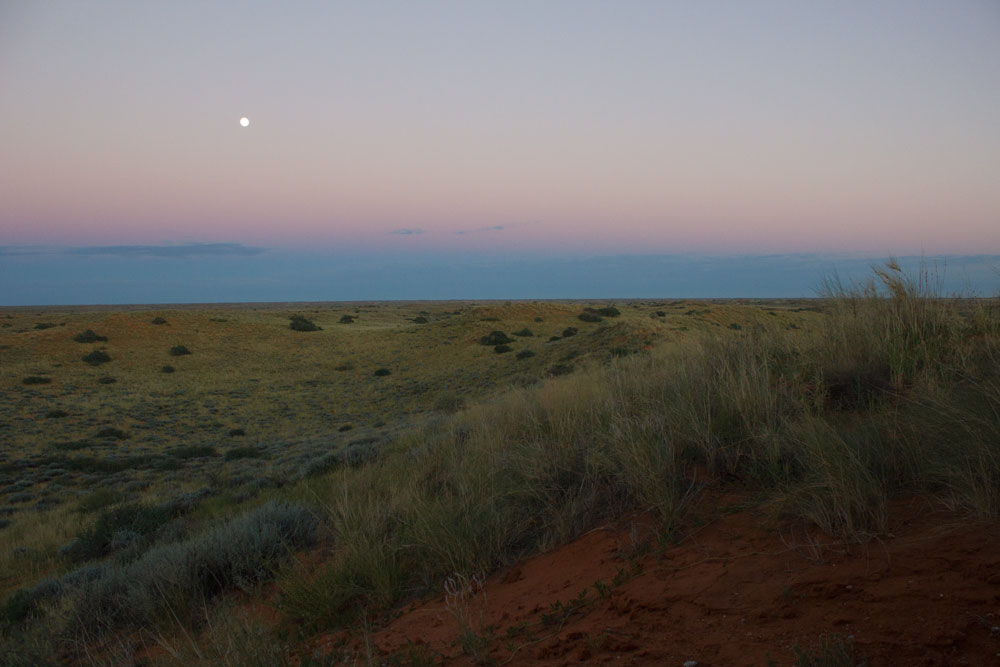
(733, 593)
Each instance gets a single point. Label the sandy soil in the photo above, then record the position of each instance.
(734, 592)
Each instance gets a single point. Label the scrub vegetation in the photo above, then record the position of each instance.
(460, 461)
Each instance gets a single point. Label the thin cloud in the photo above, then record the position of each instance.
(179, 251)
(407, 231)
(491, 228)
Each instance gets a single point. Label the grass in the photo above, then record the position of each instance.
(459, 463)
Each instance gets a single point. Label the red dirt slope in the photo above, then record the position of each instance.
(733, 593)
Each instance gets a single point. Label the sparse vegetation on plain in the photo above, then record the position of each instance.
(459, 462)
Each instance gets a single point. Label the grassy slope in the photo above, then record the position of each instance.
(828, 419)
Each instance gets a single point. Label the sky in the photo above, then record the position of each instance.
(573, 148)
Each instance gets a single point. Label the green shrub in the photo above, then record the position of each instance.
(344, 319)
(553, 339)
(500, 349)
(56, 414)
(168, 369)
(107, 379)
(234, 432)
(420, 320)
(99, 499)
(525, 354)
(539, 319)
(524, 333)
(607, 311)
(116, 529)
(300, 323)
(35, 379)
(97, 357)
(44, 325)
(345, 427)
(158, 320)
(112, 432)
(589, 317)
(382, 372)
(569, 331)
(179, 351)
(495, 338)
(449, 401)
(735, 326)
(89, 336)
(560, 369)
(193, 452)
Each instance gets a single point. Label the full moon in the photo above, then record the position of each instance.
(244, 121)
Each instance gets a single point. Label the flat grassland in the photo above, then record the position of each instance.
(181, 457)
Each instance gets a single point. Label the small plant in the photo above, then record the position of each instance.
(525, 354)
(97, 357)
(107, 379)
(420, 319)
(44, 325)
(569, 331)
(346, 366)
(500, 349)
(168, 369)
(587, 316)
(345, 319)
(89, 336)
(449, 402)
(524, 333)
(560, 369)
(382, 372)
(661, 313)
(735, 327)
(112, 432)
(56, 414)
(35, 379)
(193, 452)
(236, 432)
(607, 311)
(553, 339)
(834, 651)
(345, 427)
(245, 453)
(300, 323)
(495, 338)
(538, 319)
(158, 320)
(179, 351)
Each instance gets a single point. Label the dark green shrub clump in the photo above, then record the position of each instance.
(607, 311)
(345, 427)
(117, 528)
(589, 317)
(496, 338)
(500, 349)
(569, 331)
(107, 379)
(193, 452)
(382, 372)
(97, 357)
(345, 319)
(560, 369)
(35, 379)
(89, 336)
(734, 326)
(300, 323)
(44, 325)
(420, 319)
(168, 369)
(112, 432)
(235, 432)
(525, 354)
(158, 320)
(524, 333)
(179, 351)
(56, 414)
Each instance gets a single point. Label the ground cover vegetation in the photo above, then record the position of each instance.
(130, 516)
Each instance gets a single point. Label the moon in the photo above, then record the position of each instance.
(245, 122)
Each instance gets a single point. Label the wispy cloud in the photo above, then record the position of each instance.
(491, 228)
(172, 251)
(407, 231)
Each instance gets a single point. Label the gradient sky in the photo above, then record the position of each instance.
(437, 131)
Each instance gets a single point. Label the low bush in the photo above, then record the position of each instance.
(97, 357)
(168, 369)
(495, 338)
(345, 427)
(35, 379)
(237, 453)
(345, 319)
(300, 323)
(589, 317)
(607, 311)
(107, 379)
(524, 333)
(500, 349)
(89, 336)
(559, 369)
(382, 372)
(235, 432)
(569, 331)
(158, 320)
(112, 432)
(525, 354)
(44, 325)
(56, 414)
(420, 319)
(179, 351)
(193, 452)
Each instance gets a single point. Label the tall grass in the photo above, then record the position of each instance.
(897, 393)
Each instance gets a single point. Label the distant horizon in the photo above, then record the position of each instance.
(232, 274)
